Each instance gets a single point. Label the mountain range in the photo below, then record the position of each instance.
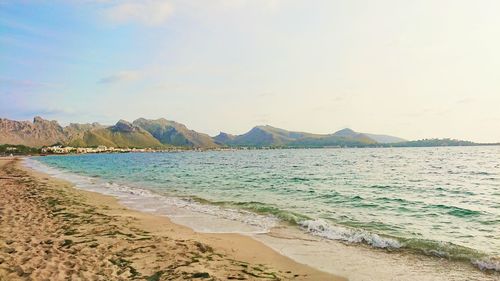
(163, 133)
(270, 136)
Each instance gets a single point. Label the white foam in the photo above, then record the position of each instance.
(488, 264)
(323, 229)
(185, 211)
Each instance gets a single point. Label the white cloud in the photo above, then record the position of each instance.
(147, 12)
(120, 77)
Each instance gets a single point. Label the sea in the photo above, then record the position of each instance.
(362, 213)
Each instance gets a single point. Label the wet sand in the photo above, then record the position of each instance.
(52, 231)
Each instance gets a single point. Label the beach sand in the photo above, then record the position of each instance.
(50, 230)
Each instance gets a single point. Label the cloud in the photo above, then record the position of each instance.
(146, 12)
(122, 76)
(24, 84)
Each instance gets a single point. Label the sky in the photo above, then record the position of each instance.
(414, 69)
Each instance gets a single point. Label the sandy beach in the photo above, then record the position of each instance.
(52, 231)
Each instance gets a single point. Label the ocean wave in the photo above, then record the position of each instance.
(264, 223)
(455, 211)
(323, 229)
(442, 249)
(480, 173)
(263, 209)
(438, 249)
(492, 264)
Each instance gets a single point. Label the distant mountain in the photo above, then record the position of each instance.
(264, 136)
(173, 133)
(162, 133)
(350, 134)
(122, 134)
(223, 138)
(76, 131)
(332, 140)
(38, 133)
(344, 137)
(141, 133)
(378, 138)
(270, 136)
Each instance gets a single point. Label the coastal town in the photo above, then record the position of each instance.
(16, 150)
(59, 149)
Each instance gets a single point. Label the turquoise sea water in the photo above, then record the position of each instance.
(436, 201)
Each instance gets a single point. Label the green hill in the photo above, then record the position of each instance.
(270, 136)
(123, 134)
(267, 136)
(173, 133)
(223, 138)
(332, 140)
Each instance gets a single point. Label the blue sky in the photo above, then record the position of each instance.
(414, 69)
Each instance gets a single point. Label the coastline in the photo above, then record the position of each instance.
(84, 234)
(356, 262)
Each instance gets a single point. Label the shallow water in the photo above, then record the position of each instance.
(441, 202)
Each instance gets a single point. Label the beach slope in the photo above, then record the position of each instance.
(52, 231)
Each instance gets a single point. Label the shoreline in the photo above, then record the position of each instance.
(356, 262)
(204, 255)
(181, 149)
